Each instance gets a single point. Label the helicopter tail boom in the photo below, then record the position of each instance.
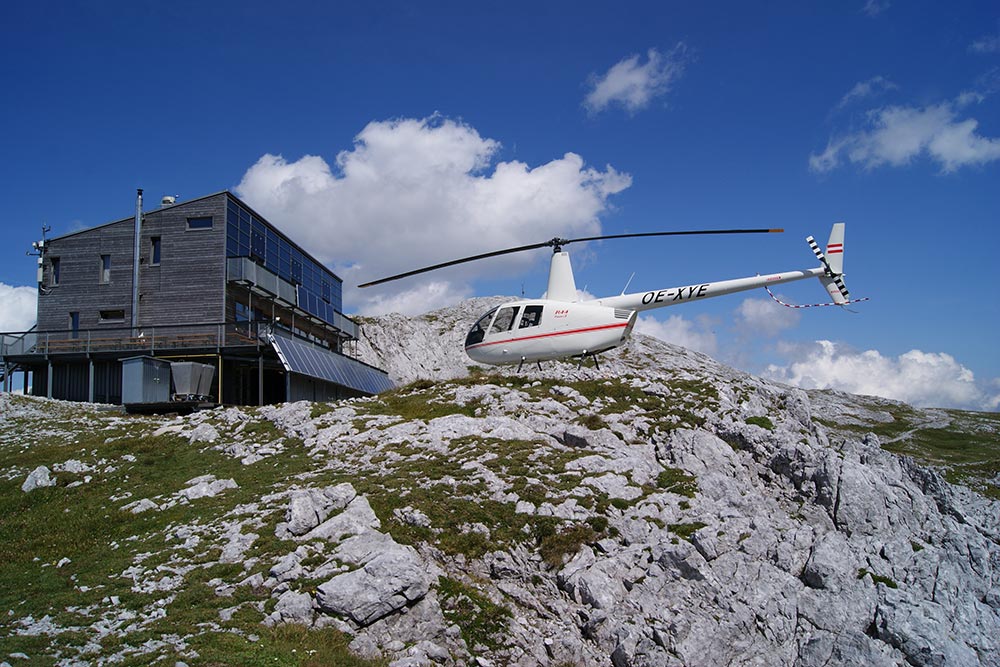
(829, 273)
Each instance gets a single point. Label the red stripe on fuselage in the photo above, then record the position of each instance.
(547, 335)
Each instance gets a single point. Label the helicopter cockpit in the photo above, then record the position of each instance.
(503, 319)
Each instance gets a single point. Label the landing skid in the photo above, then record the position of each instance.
(520, 365)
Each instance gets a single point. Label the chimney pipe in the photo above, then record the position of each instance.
(135, 262)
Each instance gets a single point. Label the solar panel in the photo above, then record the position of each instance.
(306, 359)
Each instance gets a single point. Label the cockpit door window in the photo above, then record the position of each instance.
(504, 320)
(532, 317)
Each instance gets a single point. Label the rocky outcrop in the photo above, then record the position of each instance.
(663, 510)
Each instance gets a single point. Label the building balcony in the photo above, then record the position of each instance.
(260, 281)
(144, 340)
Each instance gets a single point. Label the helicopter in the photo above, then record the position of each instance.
(561, 325)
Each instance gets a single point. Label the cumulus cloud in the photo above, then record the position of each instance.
(633, 85)
(416, 192)
(17, 307)
(676, 329)
(897, 135)
(924, 379)
(764, 316)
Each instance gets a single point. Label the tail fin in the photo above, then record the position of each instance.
(833, 263)
(832, 275)
(835, 249)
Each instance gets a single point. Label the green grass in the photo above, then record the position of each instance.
(763, 422)
(685, 530)
(878, 579)
(482, 622)
(677, 481)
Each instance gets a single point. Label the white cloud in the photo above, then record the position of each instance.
(898, 135)
(875, 7)
(17, 307)
(412, 193)
(416, 300)
(764, 316)
(987, 44)
(676, 329)
(925, 379)
(634, 85)
(864, 89)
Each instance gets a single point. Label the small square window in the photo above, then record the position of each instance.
(200, 223)
(113, 315)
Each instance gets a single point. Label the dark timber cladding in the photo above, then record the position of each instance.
(216, 282)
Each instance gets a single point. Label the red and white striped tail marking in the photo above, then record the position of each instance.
(835, 248)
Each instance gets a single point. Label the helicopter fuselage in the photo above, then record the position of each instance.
(540, 330)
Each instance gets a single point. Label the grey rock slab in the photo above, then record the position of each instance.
(295, 607)
(307, 508)
(38, 478)
(393, 580)
(206, 486)
(358, 517)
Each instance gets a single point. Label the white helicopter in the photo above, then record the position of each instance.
(561, 325)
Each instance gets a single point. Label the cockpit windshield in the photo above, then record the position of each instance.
(478, 331)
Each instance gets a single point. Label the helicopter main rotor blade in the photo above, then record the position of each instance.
(557, 243)
(485, 255)
(683, 233)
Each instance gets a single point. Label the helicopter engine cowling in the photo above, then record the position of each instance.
(542, 330)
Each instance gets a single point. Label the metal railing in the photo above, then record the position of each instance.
(141, 339)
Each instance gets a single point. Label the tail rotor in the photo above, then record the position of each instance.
(832, 263)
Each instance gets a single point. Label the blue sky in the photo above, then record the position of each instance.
(391, 135)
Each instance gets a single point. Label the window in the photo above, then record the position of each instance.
(532, 317)
(257, 244)
(113, 315)
(74, 324)
(54, 277)
(105, 269)
(246, 314)
(478, 331)
(200, 223)
(154, 251)
(504, 320)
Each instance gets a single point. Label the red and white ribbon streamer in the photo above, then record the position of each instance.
(809, 305)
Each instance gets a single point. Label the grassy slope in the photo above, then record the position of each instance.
(85, 522)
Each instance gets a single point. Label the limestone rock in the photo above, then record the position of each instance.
(355, 519)
(37, 478)
(390, 581)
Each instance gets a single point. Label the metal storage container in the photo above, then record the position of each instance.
(145, 380)
(192, 378)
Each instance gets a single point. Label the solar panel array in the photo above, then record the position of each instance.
(307, 359)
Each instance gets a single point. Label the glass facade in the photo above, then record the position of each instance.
(319, 291)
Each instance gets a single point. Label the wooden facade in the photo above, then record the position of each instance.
(187, 286)
(201, 297)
